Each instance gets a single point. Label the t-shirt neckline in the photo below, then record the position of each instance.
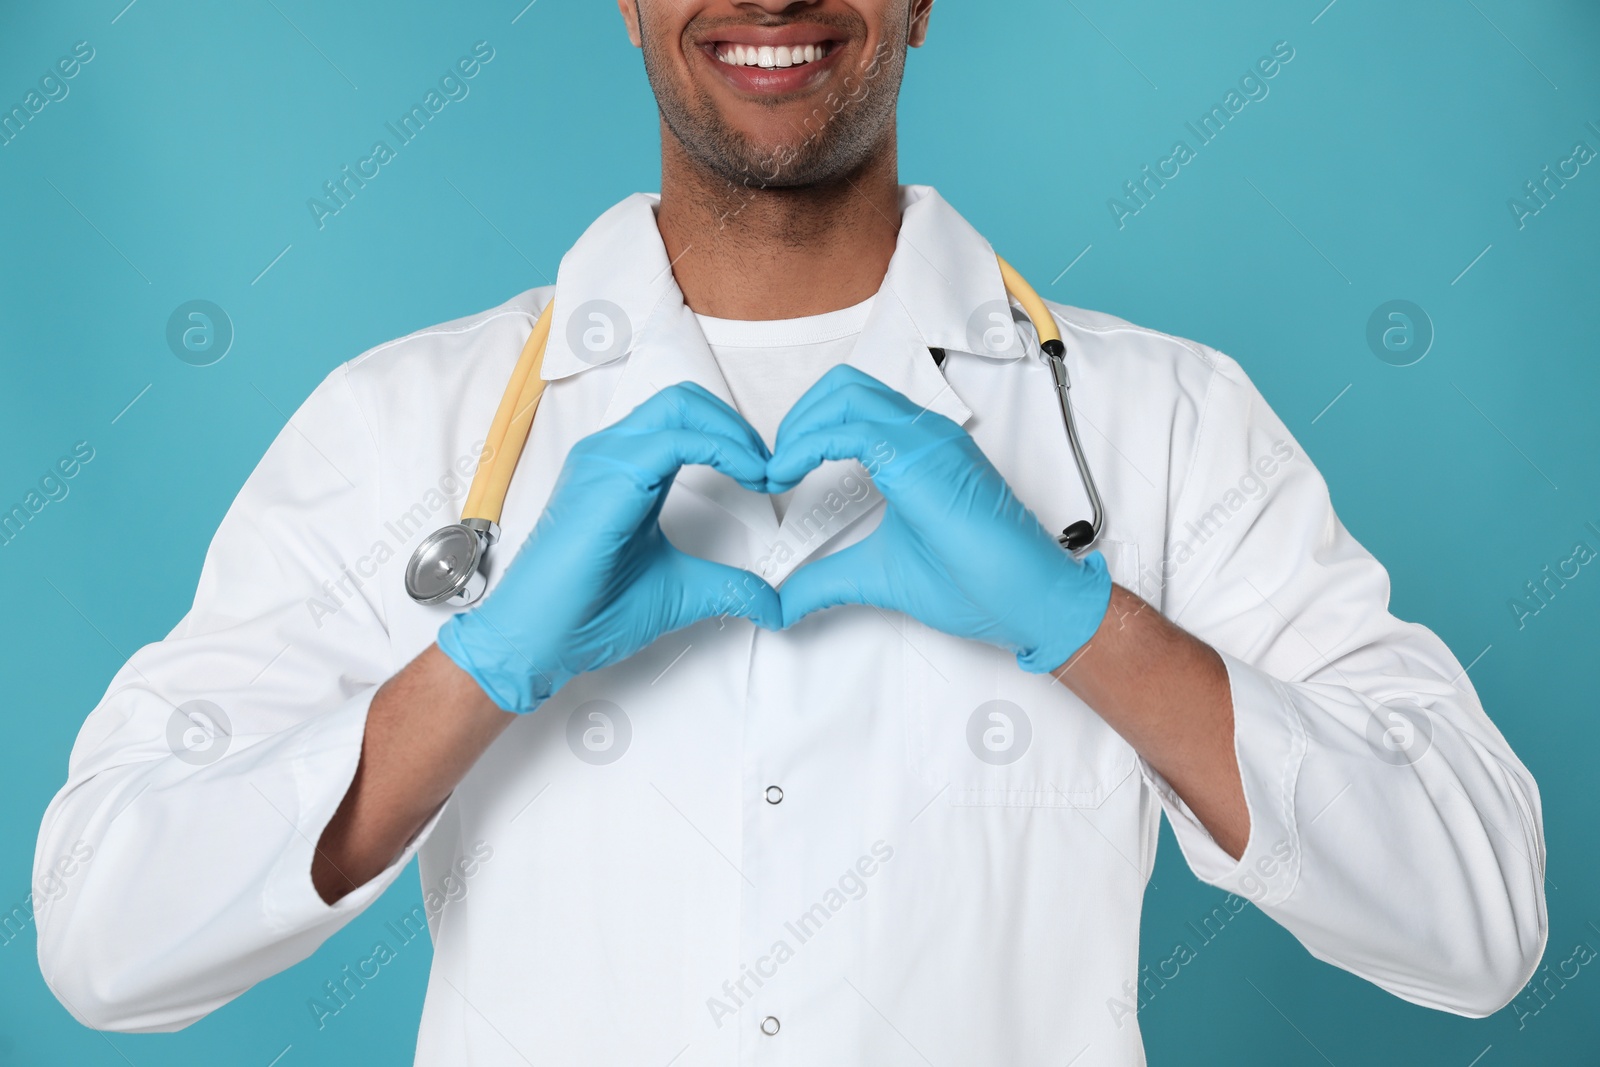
(786, 333)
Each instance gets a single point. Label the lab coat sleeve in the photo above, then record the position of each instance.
(1393, 831)
(199, 827)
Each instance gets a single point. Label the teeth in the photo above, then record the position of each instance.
(770, 57)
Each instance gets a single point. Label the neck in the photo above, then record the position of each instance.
(752, 253)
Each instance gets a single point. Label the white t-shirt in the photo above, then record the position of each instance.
(769, 364)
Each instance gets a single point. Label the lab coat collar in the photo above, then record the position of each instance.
(942, 272)
(616, 285)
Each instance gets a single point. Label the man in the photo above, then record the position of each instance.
(905, 817)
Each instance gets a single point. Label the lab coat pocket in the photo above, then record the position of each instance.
(985, 733)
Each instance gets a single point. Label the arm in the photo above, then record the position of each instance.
(1167, 694)
(1391, 828)
(316, 775)
(218, 754)
(1328, 761)
(425, 729)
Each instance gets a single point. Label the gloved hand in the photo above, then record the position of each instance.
(956, 549)
(597, 580)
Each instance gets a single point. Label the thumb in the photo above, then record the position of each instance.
(853, 575)
(710, 589)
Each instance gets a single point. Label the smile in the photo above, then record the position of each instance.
(771, 57)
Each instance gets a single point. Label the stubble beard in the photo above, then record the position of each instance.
(842, 134)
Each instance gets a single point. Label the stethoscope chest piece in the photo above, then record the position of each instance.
(447, 567)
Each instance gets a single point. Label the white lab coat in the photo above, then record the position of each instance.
(906, 900)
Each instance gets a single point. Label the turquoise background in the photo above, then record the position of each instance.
(1379, 167)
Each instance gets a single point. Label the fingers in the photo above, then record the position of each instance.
(853, 575)
(830, 420)
(682, 424)
(844, 393)
(801, 453)
(689, 405)
(713, 589)
(660, 453)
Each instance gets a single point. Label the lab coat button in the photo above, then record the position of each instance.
(769, 1025)
(774, 795)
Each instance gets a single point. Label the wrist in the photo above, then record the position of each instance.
(1073, 610)
(504, 672)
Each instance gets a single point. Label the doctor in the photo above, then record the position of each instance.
(785, 733)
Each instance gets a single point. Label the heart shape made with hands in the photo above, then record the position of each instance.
(956, 550)
(597, 580)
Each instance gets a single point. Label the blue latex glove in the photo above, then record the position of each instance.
(597, 580)
(956, 549)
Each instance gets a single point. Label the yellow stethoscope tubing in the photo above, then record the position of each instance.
(1044, 323)
(508, 433)
(513, 419)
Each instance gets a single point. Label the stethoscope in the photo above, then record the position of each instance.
(448, 567)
